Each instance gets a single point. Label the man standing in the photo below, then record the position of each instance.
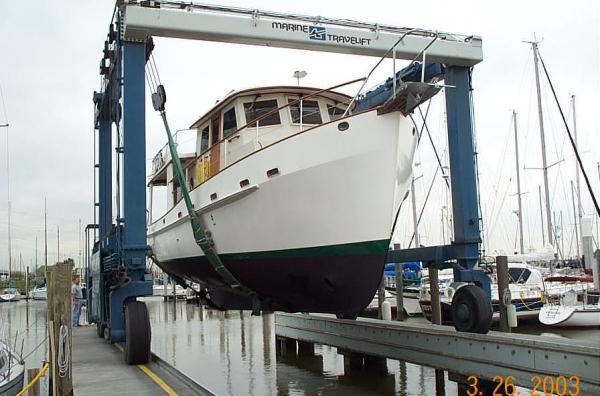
(77, 298)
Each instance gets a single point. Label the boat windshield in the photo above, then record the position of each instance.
(518, 275)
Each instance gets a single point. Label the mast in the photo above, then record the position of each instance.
(414, 210)
(577, 184)
(541, 215)
(534, 46)
(45, 241)
(58, 244)
(575, 217)
(520, 213)
(8, 200)
(36, 262)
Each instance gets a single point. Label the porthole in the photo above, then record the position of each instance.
(343, 126)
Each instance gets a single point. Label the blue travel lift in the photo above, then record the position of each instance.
(117, 272)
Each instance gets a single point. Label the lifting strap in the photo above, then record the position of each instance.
(201, 235)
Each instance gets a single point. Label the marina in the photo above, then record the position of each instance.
(276, 203)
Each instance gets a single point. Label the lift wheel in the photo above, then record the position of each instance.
(471, 310)
(137, 333)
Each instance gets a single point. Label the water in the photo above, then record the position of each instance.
(24, 323)
(234, 353)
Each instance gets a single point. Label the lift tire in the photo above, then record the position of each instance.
(137, 333)
(471, 310)
(100, 329)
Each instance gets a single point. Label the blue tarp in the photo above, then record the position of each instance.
(383, 92)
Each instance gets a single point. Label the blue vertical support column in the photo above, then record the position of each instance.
(97, 308)
(462, 170)
(104, 176)
(134, 245)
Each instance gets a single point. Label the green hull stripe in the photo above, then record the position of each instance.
(347, 249)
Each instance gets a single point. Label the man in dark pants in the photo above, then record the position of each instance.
(77, 298)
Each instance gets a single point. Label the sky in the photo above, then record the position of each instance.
(49, 70)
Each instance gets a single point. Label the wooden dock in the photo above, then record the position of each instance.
(99, 369)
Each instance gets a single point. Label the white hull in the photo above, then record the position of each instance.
(570, 316)
(10, 297)
(159, 290)
(333, 188)
(39, 294)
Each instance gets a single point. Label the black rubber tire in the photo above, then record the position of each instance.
(471, 310)
(100, 329)
(348, 316)
(137, 332)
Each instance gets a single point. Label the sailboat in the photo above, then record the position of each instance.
(12, 370)
(298, 188)
(39, 291)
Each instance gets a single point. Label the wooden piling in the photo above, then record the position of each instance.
(381, 296)
(503, 291)
(434, 291)
(59, 314)
(399, 293)
(35, 388)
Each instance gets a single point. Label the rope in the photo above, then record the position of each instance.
(63, 351)
(34, 380)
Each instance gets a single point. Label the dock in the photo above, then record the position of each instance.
(485, 356)
(99, 369)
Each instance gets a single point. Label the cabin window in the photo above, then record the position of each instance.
(204, 139)
(215, 131)
(310, 112)
(518, 275)
(229, 123)
(258, 108)
(334, 112)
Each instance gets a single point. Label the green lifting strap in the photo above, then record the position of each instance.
(200, 233)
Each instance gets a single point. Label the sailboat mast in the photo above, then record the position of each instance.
(577, 184)
(520, 214)
(45, 240)
(541, 215)
(36, 262)
(414, 213)
(58, 244)
(8, 200)
(575, 217)
(534, 46)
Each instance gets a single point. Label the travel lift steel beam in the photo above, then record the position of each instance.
(117, 269)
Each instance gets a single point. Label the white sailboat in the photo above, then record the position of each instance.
(571, 313)
(12, 371)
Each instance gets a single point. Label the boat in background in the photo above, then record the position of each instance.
(12, 371)
(572, 313)
(39, 293)
(10, 294)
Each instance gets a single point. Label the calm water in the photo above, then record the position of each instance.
(233, 353)
(25, 325)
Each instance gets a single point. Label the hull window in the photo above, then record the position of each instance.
(229, 123)
(258, 108)
(310, 112)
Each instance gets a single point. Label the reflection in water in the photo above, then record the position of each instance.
(24, 324)
(233, 353)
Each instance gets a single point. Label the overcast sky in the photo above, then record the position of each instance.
(49, 69)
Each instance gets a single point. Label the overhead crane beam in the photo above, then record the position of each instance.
(246, 26)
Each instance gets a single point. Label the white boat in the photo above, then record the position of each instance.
(161, 290)
(300, 208)
(571, 313)
(39, 293)
(12, 371)
(10, 294)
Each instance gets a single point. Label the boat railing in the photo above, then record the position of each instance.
(392, 50)
(207, 161)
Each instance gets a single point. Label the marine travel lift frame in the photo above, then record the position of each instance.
(117, 272)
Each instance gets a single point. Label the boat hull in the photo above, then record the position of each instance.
(334, 279)
(310, 229)
(570, 316)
